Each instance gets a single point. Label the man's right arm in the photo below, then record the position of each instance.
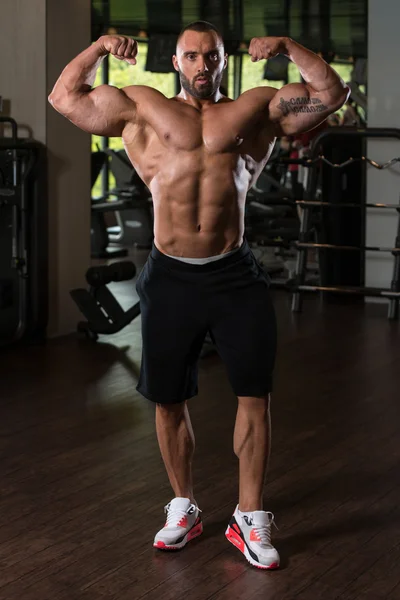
(103, 110)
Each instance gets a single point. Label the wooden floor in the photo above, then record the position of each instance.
(83, 487)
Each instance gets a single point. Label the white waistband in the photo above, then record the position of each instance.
(203, 261)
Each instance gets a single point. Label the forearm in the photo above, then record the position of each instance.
(317, 74)
(79, 75)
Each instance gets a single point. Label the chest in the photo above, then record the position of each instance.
(215, 130)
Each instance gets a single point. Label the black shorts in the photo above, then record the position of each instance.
(181, 302)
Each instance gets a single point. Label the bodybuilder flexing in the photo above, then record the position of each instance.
(199, 153)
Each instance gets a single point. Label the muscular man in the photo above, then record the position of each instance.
(199, 153)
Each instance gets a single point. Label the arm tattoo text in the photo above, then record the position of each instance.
(301, 105)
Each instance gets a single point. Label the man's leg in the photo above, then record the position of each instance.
(250, 526)
(252, 444)
(176, 441)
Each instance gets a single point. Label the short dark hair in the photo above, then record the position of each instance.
(202, 27)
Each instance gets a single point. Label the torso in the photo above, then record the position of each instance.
(198, 165)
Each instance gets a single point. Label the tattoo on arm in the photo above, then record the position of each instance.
(301, 105)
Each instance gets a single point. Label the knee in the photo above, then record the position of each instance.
(173, 412)
(254, 405)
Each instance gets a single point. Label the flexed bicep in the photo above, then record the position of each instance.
(299, 107)
(105, 110)
(296, 108)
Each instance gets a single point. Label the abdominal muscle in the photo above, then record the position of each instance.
(199, 204)
(190, 227)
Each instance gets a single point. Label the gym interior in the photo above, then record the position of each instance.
(82, 479)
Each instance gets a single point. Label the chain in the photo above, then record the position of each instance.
(373, 163)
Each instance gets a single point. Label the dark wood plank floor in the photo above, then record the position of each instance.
(83, 486)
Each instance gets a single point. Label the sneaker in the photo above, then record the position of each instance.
(251, 533)
(182, 525)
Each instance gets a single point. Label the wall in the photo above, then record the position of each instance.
(383, 111)
(23, 60)
(68, 33)
(37, 39)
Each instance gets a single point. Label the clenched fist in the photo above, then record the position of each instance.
(267, 47)
(119, 46)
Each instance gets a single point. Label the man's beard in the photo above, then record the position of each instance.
(202, 91)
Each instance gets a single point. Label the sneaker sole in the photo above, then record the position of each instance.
(237, 541)
(193, 533)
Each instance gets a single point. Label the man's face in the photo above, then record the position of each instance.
(200, 60)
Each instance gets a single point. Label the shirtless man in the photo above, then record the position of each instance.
(199, 153)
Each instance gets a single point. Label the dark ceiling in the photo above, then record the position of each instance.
(336, 25)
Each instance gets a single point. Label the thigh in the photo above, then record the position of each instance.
(173, 332)
(172, 311)
(245, 333)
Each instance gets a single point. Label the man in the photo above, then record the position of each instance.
(199, 153)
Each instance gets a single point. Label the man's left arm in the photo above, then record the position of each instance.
(299, 107)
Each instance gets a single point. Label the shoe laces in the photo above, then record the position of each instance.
(264, 531)
(174, 515)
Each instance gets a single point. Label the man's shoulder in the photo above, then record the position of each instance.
(138, 92)
(262, 94)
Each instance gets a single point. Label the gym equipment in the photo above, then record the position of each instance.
(135, 223)
(272, 222)
(270, 213)
(133, 209)
(297, 285)
(99, 234)
(103, 312)
(23, 239)
(309, 162)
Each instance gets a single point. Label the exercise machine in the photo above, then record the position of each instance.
(103, 312)
(23, 238)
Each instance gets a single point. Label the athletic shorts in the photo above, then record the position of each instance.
(180, 302)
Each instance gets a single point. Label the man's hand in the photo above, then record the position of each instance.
(267, 47)
(119, 46)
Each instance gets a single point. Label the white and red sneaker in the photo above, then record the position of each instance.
(250, 532)
(182, 525)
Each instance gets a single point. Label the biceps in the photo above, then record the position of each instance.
(296, 108)
(102, 111)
